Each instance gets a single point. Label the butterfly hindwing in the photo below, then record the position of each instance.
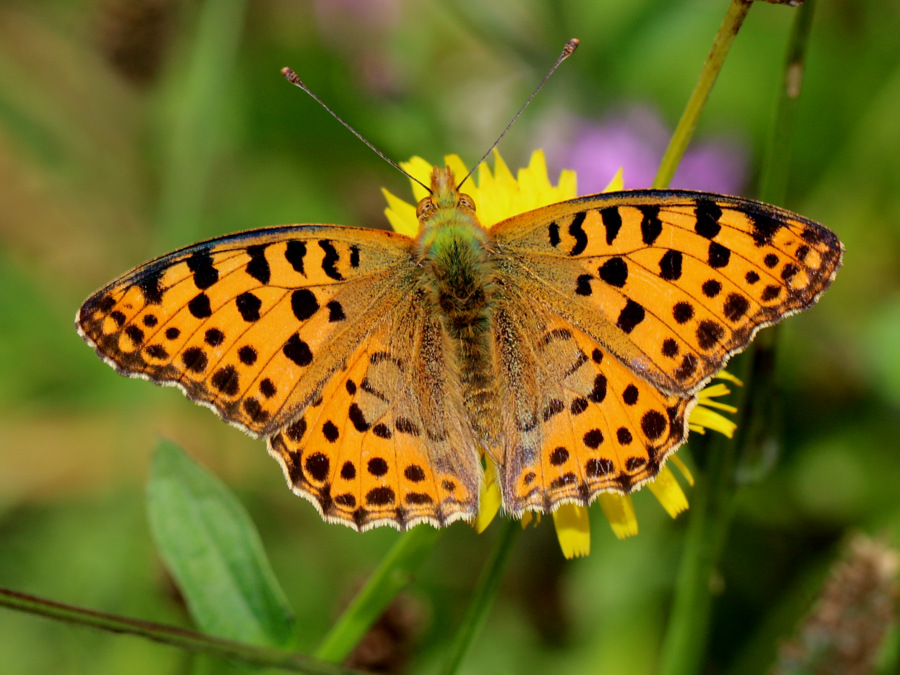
(252, 324)
(387, 441)
(583, 422)
(672, 282)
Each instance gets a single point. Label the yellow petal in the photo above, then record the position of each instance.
(617, 184)
(457, 166)
(536, 172)
(703, 418)
(568, 185)
(401, 215)
(419, 169)
(667, 490)
(725, 375)
(682, 467)
(504, 177)
(573, 529)
(490, 498)
(619, 511)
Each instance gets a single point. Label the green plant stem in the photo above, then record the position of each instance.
(169, 635)
(757, 438)
(483, 596)
(687, 633)
(731, 24)
(394, 574)
(773, 180)
(686, 636)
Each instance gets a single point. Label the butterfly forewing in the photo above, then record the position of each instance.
(252, 324)
(672, 283)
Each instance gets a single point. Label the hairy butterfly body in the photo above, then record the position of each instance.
(567, 343)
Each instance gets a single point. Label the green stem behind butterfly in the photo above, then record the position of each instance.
(688, 627)
(484, 594)
(725, 36)
(394, 574)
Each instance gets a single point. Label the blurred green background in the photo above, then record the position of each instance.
(131, 127)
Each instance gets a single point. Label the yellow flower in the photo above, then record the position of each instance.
(500, 195)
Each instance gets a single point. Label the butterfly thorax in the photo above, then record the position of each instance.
(460, 281)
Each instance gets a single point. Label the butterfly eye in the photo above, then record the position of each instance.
(424, 208)
(466, 202)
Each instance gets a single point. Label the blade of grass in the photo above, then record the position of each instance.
(483, 596)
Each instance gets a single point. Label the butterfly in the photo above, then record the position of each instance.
(566, 345)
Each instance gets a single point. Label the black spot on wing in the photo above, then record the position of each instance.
(248, 306)
(201, 264)
(736, 305)
(247, 355)
(583, 284)
(357, 417)
(764, 229)
(213, 337)
(709, 333)
(612, 222)
(553, 233)
(297, 350)
(670, 265)
(576, 229)
(651, 227)
(226, 380)
(150, 284)
(135, 333)
(614, 272)
(294, 253)
(304, 304)
(719, 256)
(199, 306)
(194, 359)
(707, 213)
(330, 260)
(258, 267)
(335, 311)
(711, 287)
(682, 312)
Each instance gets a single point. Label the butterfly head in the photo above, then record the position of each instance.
(447, 214)
(445, 199)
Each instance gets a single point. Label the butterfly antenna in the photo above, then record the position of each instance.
(567, 51)
(291, 77)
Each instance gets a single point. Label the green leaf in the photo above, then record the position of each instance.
(213, 551)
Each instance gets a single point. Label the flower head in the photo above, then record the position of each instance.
(500, 195)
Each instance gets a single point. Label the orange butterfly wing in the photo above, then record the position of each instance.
(281, 328)
(388, 442)
(666, 285)
(250, 325)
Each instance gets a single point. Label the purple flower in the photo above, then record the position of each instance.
(636, 138)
